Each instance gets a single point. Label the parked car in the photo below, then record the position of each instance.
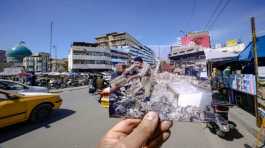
(19, 87)
(24, 106)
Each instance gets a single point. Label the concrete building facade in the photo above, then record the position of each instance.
(89, 57)
(119, 55)
(38, 62)
(186, 56)
(124, 40)
(2, 56)
(59, 65)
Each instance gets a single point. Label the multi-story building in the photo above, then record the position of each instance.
(2, 56)
(38, 62)
(187, 56)
(59, 65)
(190, 56)
(119, 55)
(89, 57)
(2, 60)
(124, 40)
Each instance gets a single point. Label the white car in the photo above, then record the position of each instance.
(19, 87)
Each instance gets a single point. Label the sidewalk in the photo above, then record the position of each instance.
(236, 114)
(248, 121)
(68, 89)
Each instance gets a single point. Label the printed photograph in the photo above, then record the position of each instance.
(141, 88)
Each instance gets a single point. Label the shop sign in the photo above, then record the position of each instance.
(261, 71)
(243, 82)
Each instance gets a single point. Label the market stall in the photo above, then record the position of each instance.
(247, 56)
(227, 76)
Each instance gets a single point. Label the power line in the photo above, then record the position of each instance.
(219, 14)
(213, 14)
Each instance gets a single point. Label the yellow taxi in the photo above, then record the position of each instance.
(20, 107)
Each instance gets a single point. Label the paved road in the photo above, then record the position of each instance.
(81, 122)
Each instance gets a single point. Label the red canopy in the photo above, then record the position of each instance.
(24, 74)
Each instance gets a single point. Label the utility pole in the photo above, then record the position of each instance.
(55, 58)
(51, 38)
(254, 50)
(159, 52)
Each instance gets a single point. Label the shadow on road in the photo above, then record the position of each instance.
(247, 146)
(232, 135)
(14, 131)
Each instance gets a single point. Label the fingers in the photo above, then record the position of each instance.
(125, 126)
(118, 132)
(165, 125)
(143, 131)
(122, 129)
(158, 141)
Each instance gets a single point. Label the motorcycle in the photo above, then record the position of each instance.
(217, 116)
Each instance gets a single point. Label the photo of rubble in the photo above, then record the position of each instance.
(173, 96)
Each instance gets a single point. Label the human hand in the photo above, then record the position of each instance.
(132, 77)
(105, 91)
(136, 133)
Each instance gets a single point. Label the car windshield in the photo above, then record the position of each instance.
(7, 85)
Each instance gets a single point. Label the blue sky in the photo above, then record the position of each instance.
(153, 22)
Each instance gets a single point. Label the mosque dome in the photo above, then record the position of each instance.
(19, 52)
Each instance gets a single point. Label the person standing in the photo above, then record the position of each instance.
(143, 72)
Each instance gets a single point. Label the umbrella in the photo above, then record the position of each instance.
(24, 74)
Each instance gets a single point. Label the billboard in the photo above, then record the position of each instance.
(199, 38)
(230, 43)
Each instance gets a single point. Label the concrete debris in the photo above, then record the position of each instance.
(172, 96)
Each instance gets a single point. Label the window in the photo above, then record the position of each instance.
(3, 96)
(3, 86)
(16, 87)
(13, 86)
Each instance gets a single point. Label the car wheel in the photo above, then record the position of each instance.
(41, 113)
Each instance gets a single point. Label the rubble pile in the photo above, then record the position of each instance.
(172, 96)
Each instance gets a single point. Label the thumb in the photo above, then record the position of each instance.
(143, 131)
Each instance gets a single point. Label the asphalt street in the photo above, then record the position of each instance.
(81, 122)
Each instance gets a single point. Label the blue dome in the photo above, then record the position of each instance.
(19, 52)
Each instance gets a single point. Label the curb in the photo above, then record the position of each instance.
(237, 114)
(67, 89)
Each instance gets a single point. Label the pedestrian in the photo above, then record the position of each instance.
(142, 71)
(99, 82)
(120, 68)
(33, 79)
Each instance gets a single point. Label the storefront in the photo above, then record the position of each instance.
(234, 76)
(247, 56)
